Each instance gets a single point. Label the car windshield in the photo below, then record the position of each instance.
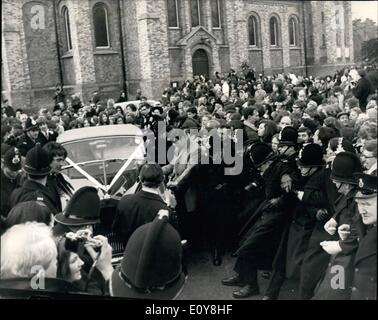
(102, 149)
(103, 157)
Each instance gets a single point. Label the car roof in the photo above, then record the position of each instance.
(98, 132)
(135, 102)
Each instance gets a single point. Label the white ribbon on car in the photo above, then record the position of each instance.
(125, 165)
(86, 175)
(116, 177)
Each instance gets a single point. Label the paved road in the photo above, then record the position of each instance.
(204, 280)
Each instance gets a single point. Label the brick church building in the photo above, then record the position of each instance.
(109, 45)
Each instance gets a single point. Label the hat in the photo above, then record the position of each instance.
(288, 137)
(311, 155)
(37, 161)
(12, 159)
(151, 267)
(260, 153)
(151, 173)
(343, 113)
(82, 209)
(31, 124)
(367, 185)
(343, 167)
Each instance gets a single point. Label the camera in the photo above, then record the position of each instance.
(75, 241)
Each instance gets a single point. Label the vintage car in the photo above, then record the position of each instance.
(106, 157)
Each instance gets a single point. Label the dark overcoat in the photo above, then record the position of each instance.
(365, 268)
(135, 210)
(346, 212)
(316, 260)
(304, 220)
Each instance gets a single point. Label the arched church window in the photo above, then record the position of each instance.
(101, 26)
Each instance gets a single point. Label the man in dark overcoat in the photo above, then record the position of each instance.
(142, 207)
(259, 247)
(295, 238)
(285, 163)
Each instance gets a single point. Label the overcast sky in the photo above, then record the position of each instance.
(365, 9)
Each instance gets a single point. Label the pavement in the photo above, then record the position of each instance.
(204, 280)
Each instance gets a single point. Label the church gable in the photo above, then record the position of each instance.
(197, 35)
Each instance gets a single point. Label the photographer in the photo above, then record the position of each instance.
(70, 265)
(82, 213)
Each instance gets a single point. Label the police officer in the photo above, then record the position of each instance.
(151, 266)
(10, 178)
(30, 137)
(37, 167)
(365, 263)
(316, 259)
(342, 251)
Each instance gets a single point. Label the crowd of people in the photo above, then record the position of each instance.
(303, 204)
